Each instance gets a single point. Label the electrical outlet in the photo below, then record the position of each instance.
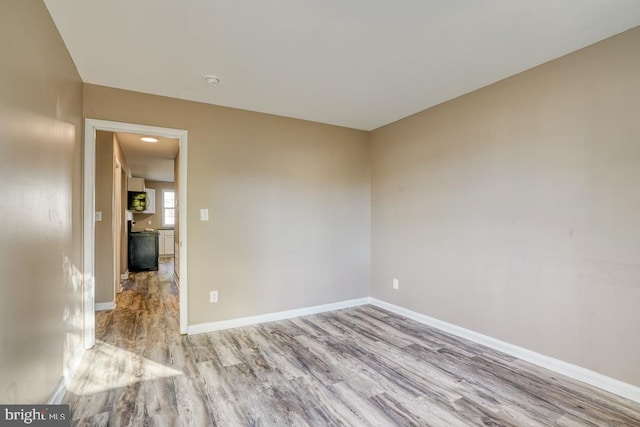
(396, 284)
(213, 296)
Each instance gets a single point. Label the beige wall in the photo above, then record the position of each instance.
(153, 220)
(514, 211)
(41, 216)
(107, 150)
(124, 174)
(104, 281)
(288, 204)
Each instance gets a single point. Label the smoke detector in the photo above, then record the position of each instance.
(212, 80)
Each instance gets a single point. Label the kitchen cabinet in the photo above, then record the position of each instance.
(161, 243)
(151, 201)
(135, 184)
(166, 242)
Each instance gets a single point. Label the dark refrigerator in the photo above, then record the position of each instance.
(143, 251)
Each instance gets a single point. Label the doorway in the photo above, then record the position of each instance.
(91, 127)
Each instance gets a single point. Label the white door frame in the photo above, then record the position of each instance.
(89, 209)
(116, 217)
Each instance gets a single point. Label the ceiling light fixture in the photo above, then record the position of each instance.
(212, 80)
(149, 139)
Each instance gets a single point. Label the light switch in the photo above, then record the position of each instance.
(98, 215)
(204, 214)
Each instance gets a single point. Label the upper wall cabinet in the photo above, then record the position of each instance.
(135, 184)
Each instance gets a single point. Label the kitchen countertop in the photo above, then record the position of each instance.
(155, 230)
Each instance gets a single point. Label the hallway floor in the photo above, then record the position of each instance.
(354, 367)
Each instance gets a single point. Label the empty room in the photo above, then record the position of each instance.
(304, 213)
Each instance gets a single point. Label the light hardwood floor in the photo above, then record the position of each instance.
(355, 367)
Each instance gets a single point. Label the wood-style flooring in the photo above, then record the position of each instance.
(361, 366)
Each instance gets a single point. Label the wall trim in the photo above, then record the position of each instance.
(125, 275)
(68, 373)
(103, 306)
(584, 375)
(200, 328)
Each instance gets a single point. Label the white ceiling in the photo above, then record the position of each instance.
(354, 63)
(152, 161)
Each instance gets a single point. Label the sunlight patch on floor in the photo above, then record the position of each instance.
(114, 367)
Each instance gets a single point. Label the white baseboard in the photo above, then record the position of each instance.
(272, 317)
(573, 371)
(103, 306)
(67, 375)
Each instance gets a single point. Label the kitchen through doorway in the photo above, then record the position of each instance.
(150, 164)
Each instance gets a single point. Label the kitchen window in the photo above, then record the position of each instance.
(168, 207)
